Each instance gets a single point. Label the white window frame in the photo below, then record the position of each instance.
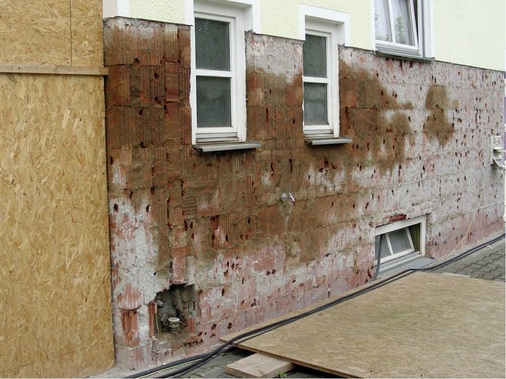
(400, 225)
(329, 80)
(335, 27)
(235, 16)
(422, 29)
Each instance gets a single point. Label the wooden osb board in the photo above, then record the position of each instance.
(54, 252)
(424, 325)
(56, 32)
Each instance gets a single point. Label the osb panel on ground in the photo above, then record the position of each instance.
(55, 292)
(51, 32)
(424, 325)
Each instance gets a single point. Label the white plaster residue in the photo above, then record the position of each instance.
(266, 179)
(133, 251)
(283, 63)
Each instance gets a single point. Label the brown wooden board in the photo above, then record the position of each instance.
(54, 272)
(423, 325)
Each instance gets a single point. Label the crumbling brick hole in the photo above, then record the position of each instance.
(177, 301)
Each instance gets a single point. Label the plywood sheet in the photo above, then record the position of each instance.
(54, 32)
(35, 32)
(424, 325)
(55, 292)
(87, 38)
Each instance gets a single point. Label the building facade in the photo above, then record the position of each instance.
(263, 155)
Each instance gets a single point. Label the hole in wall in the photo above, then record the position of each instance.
(178, 301)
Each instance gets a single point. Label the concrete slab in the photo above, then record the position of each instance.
(423, 325)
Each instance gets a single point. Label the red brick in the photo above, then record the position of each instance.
(172, 84)
(179, 265)
(121, 128)
(129, 324)
(117, 86)
(147, 86)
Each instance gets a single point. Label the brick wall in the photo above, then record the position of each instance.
(215, 224)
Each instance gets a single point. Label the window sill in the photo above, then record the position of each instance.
(229, 146)
(402, 56)
(326, 140)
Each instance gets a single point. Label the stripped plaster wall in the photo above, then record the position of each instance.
(211, 227)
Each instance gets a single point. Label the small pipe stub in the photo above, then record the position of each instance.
(174, 324)
(287, 196)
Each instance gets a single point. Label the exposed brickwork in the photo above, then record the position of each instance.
(216, 222)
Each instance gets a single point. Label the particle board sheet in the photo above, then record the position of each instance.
(423, 325)
(54, 244)
(56, 32)
(35, 32)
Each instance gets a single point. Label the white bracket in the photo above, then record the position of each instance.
(497, 151)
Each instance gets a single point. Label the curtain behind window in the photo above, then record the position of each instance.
(382, 20)
(403, 27)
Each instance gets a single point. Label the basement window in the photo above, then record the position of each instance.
(400, 242)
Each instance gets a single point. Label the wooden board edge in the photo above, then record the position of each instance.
(53, 70)
(258, 366)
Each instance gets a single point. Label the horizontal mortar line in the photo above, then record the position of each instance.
(52, 69)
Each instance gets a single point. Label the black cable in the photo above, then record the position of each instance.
(204, 358)
(167, 366)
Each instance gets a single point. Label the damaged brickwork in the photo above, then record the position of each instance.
(208, 235)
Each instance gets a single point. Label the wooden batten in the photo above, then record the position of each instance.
(52, 70)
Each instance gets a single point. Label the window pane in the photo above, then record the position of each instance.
(403, 28)
(384, 246)
(382, 20)
(212, 44)
(213, 102)
(399, 241)
(315, 56)
(315, 104)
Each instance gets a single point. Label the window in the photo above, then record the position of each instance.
(402, 27)
(218, 94)
(323, 30)
(400, 242)
(317, 83)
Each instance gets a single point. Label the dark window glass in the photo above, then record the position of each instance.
(212, 43)
(213, 102)
(315, 56)
(315, 104)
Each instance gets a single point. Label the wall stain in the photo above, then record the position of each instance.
(437, 125)
(375, 119)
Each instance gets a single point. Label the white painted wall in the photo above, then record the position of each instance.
(470, 32)
(280, 18)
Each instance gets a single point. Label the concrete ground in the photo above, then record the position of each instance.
(487, 263)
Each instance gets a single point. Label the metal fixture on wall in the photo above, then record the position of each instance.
(497, 152)
(287, 196)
